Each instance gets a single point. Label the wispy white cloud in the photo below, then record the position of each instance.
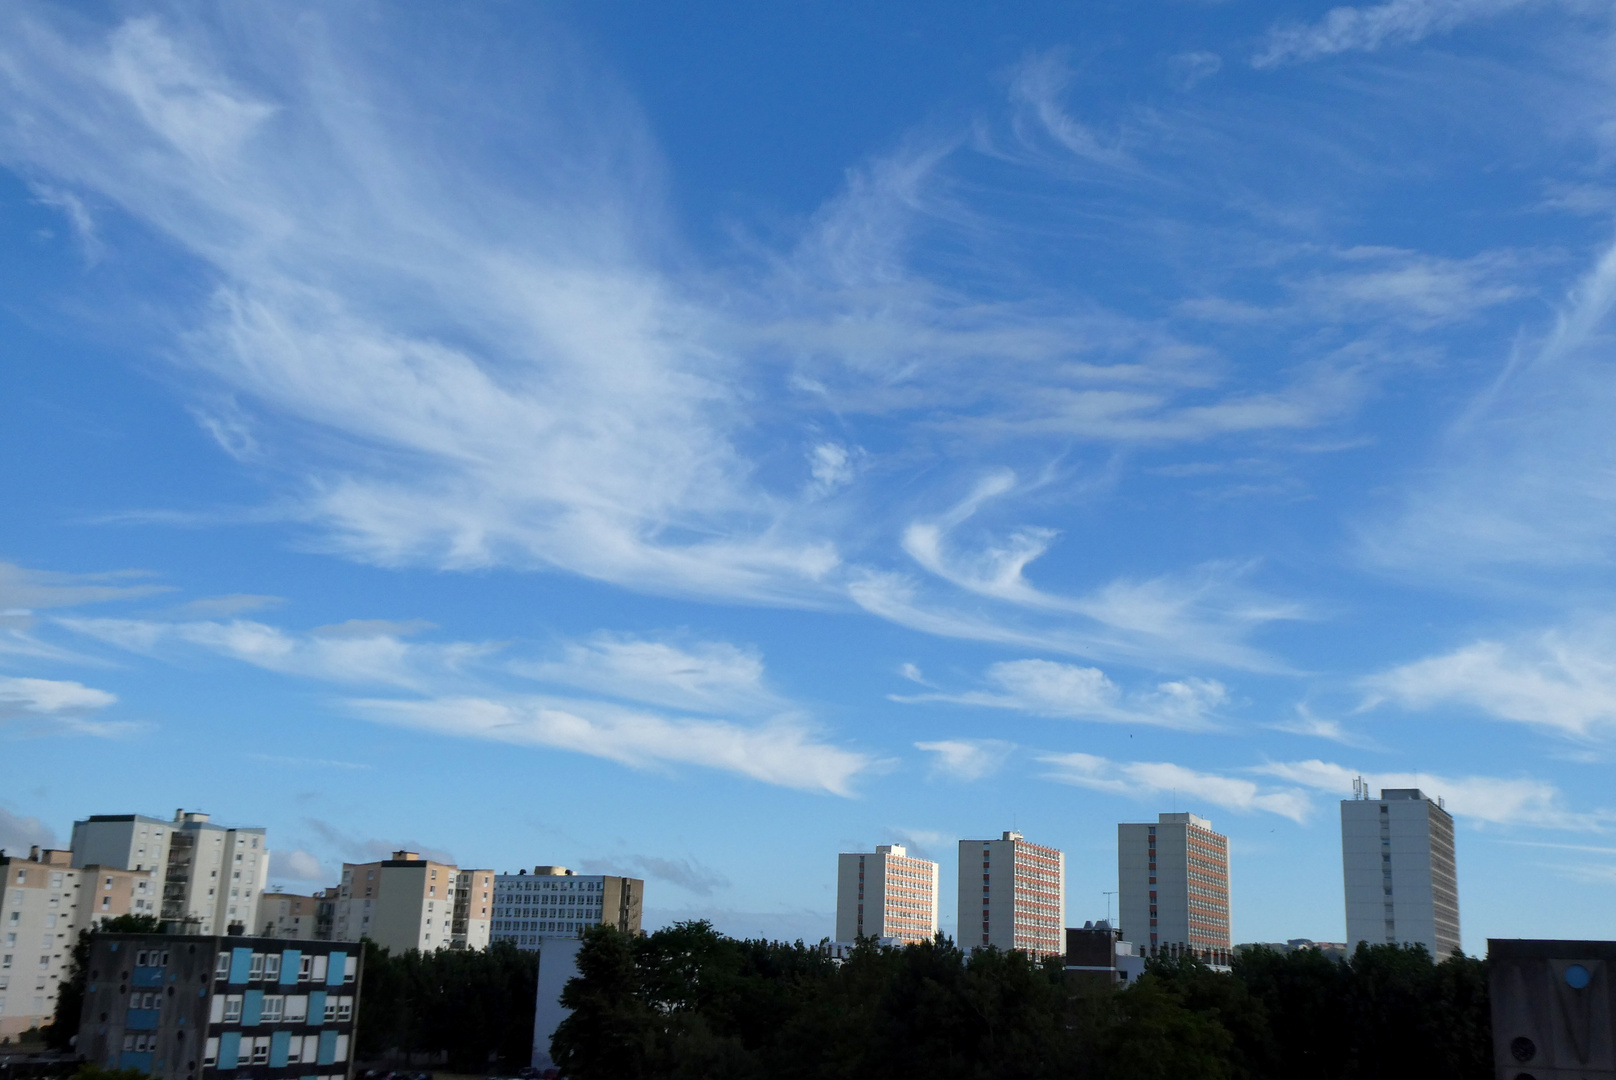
(687, 873)
(1499, 800)
(22, 588)
(699, 676)
(1305, 722)
(77, 215)
(967, 759)
(1046, 688)
(55, 705)
(1563, 680)
(359, 652)
(782, 752)
(1150, 779)
(1395, 22)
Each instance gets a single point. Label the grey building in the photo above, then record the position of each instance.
(1398, 869)
(181, 1007)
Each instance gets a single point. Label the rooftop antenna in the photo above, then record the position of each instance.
(1108, 896)
(1360, 788)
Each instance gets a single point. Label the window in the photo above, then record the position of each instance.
(303, 968)
(350, 969)
(294, 1052)
(273, 1007)
(232, 1008)
(330, 1009)
(297, 1009)
(342, 1048)
(272, 967)
(260, 1055)
(140, 958)
(344, 1009)
(255, 969)
(222, 969)
(210, 1052)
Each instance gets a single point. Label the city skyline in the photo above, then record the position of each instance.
(678, 446)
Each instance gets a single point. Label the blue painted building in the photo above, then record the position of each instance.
(185, 1007)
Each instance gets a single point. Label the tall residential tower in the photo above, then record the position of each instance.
(886, 893)
(1173, 879)
(1398, 867)
(1020, 891)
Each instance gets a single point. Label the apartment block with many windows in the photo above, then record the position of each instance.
(887, 894)
(185, 1007)
(1399, 870)
(554, 902)
(1173, 884)
(408, 902)
(211, 874)
(1019, 890)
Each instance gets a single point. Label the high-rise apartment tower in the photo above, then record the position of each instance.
(1018, 889)
(1173, 882)
(887, 893)
(1398, 867)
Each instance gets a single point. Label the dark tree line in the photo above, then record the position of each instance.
(475, 1006)
(688, 1002)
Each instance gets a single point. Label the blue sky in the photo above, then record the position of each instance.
(692, 442)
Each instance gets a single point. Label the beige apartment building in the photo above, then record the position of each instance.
(1019, 889)
(886, 894)
(211, 875)
(408, 902)
(1173, 879)
(296, 916)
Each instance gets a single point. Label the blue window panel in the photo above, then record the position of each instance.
(317, 1007)
(133, 1060)
(252, 1007)
(229, 1049)
(278, 1044)
(240, 963)
(141, 1020)
(333, 974)
(328, 1048)
(147, 976)
(291, 960)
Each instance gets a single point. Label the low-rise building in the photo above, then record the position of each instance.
(1096, 954)
(179, 1007)
(553, 901)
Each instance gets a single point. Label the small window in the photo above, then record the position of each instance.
(272, 966)
(140, 958)
(344, 1009)
(255, 969)
(232, 1008)
(274, 1005)
(330, 1009)
(210, 1053)
(222, 969)
(303, 967)
(260, 1051)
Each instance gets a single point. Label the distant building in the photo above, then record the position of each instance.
(886, 893)
(554, 902)
(1334, 950)
(1173, 882)
(211, 875)
(1096, 954)
(1398, 870)
(1018, 889)
(408, 902)
(262, 1008)
(292, 915)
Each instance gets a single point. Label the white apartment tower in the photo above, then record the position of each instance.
(887, 893)
(211, 875)
(1019, 889)
(1173, 888)
(1398, 867)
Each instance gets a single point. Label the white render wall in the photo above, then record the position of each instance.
(1391, 872)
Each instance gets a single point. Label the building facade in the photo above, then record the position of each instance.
(1018, 888)
(1173, 888)
(408, 902)
(184, 1007)
(212, 875)
(887, 893)
(553, 901)
(1399, 870)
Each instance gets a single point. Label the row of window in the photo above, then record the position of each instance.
(279, 1009)
(223, 1051)
(266, 967)
(5, 961)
